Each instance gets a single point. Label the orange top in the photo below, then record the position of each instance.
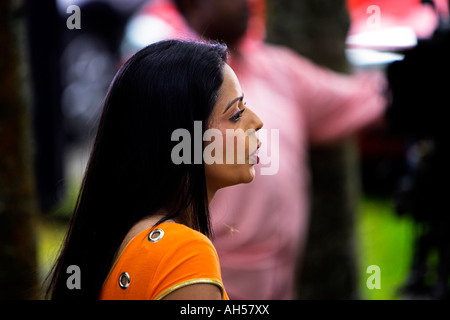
(161, 260)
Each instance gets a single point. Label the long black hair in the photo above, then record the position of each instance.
(130, 174)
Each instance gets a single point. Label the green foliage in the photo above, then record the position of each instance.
(384, 239)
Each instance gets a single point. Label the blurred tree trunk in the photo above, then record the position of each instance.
(44, 34)
(18, 265)
(317, 30)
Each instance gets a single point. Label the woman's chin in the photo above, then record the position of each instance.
(252, 172)
(243, 176)
(249, 175)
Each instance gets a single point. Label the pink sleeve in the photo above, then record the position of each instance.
(337, 105)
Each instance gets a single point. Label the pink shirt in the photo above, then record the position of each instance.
(306, 104)
(303, 103)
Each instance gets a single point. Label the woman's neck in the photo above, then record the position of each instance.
(210, 196)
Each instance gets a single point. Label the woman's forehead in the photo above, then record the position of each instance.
(230, 85)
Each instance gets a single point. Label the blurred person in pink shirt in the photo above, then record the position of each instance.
(260, 228)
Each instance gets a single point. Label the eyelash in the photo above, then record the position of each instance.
(237, 115)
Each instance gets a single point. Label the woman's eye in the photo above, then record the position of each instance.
(237, 115)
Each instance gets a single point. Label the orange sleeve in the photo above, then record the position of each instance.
(193, 260)
(153, 270)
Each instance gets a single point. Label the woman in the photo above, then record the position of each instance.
(140, 226)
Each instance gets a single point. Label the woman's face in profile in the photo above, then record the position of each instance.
(236, 126)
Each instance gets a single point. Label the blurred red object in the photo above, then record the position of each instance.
(421, 18)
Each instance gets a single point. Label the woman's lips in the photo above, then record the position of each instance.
(254, 155)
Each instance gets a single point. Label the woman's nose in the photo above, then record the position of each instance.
(256, 121)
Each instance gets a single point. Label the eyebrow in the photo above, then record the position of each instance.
(233, 102)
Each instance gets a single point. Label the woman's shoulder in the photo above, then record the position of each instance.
(146, 232)
(167, 240)
(161, 258)
(176, 235)
(175, 229)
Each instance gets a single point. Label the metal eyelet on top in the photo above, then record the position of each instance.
(156, 235)
(124, 280)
